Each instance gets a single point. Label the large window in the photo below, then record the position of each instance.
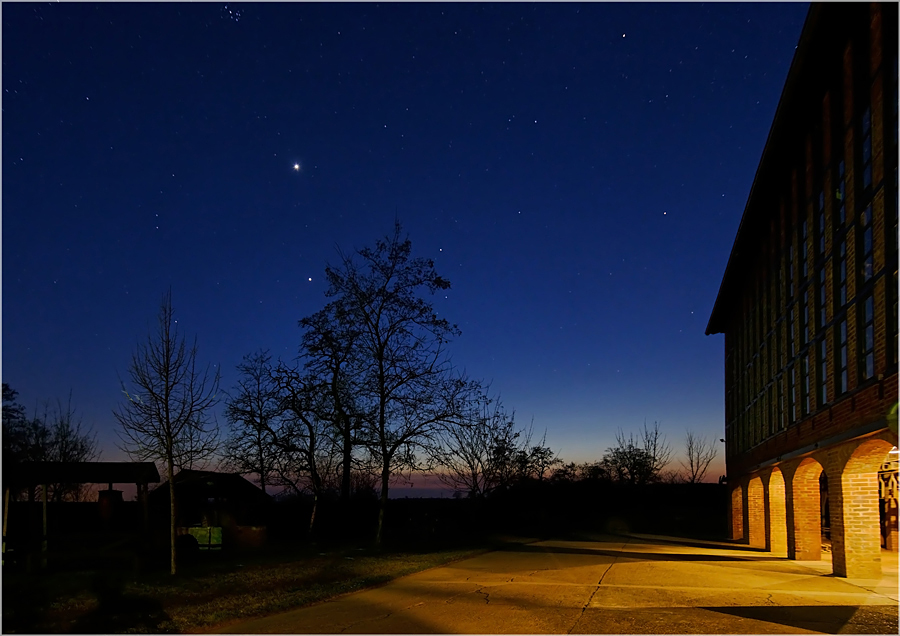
(866, 257)
(789, 292)
(792, 395)
(840, 274)
(840, 197)
(804, 319)
(820, 224)
(804, 253)
(782, 411)
(867, 339)
(866, 127)
(821, 313)
(841, 358)
(804, 385)
(821, 373)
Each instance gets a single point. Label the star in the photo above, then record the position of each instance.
(296, 167)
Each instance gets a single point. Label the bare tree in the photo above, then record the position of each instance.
(69, 441)
(405, 381)
(486, 453)
(637, 459)
(307, 452)
(166, 406)
(699, 452)
(330, 350)
(58, 435)
(252, 410)
(466, 451)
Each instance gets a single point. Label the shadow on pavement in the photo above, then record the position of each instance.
(830, 619)
(696, 543)
(640, 556)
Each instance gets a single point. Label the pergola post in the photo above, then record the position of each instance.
(5, 518)
(44, 535)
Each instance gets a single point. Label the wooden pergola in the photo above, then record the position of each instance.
(30, 474)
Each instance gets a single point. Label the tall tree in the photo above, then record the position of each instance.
(406, 381)
(167, 402)
(329, 347)
(699, 453)
(252, 410)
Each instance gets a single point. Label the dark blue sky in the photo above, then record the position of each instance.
(578, 172)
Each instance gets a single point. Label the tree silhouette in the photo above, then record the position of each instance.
(164, 415)
(406, 385)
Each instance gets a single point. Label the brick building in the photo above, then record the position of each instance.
(808, 305)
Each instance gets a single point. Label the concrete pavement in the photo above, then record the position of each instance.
(613, 585)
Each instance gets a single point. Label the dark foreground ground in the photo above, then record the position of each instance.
(610, 585)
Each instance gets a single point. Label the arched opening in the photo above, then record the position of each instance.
(856, 532)
(737, 513)
(806, 504)
(776, 522)
(756, 513)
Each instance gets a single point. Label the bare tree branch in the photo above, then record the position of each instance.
(164, 416)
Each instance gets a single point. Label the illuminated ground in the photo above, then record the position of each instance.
(644, 584)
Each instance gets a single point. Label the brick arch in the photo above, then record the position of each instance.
(776, 513)
(756, 512)
(806, 512)
(855, 526)
(737, 512)
(868, 456)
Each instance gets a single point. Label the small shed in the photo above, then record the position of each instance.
(219, 509)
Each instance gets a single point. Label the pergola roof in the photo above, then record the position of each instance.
(36, 473)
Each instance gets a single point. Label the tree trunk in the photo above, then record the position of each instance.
(169, 476)
(312, 516)
(345, 474)
(385, 478)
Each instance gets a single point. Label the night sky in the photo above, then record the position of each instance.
(577, 171)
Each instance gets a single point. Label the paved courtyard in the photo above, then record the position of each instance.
(612, 585)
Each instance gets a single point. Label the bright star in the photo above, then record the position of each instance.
(297, 167)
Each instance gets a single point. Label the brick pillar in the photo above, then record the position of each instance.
(855, 531)
(756, 513)
(775, 513)
(804, 512)
(737, 513)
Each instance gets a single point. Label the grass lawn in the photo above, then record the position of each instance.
(217, 589)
